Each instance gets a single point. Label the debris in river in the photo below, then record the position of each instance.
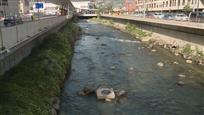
(108, 100)
(97, 38)
(105, 93)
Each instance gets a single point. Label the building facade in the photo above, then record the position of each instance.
(130, 5)
(168, 5)
(11, 7)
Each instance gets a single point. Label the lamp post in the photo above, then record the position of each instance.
(144, 8)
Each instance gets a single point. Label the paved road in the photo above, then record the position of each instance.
(110, 58)
(27, 20)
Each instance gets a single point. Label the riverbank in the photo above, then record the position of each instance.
(193, 53)
(34, 85)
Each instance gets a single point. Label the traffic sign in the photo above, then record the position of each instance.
(38, 5)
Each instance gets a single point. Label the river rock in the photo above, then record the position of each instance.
(131, 68)
(120, 93)
(176, 63)
(181, 76)
(103, 44)
(86, 91)
(165, 46)
(112, 67)
(97, 38)
(189, 61)
(154, 50)
(180, 83)
(160, 64)
(176, 53)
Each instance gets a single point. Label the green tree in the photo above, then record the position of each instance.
(187, 9)
(109, 8)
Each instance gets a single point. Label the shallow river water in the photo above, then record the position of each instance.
(110, 58)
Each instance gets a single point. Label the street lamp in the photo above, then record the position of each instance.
(144, 8)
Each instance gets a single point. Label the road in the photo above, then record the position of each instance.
(110, 58)
(28, 19)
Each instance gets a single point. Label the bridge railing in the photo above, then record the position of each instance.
(12, 36)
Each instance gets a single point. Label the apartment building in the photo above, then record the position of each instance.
(168, 5)
(11, 7)
(130, 5)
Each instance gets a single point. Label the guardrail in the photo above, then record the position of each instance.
(12, 36)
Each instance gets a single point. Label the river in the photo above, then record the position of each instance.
(108, 57)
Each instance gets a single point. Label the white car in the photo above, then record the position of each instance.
(158, 15)
(181, 17)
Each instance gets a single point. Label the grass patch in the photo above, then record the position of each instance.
(133, 29)
(28, 88)
(187, 49)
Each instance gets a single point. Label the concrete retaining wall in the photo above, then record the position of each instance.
(194, 35)
(19, 40)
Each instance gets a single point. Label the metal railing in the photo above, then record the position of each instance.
(12, 36)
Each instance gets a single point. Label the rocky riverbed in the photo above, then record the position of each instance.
(156, 81)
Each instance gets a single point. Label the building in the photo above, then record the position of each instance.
(83, 5)
(168, 5)
(130, 5)
(11, 7)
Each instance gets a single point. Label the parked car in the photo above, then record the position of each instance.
(197, 17)
(158, 15)
(169, 16)
(181, 17)
(150, 15)
(138, 14)
(12, 20)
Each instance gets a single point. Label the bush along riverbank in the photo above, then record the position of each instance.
(32, 87)
(191, 52)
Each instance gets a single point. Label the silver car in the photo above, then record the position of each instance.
(181, 17)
